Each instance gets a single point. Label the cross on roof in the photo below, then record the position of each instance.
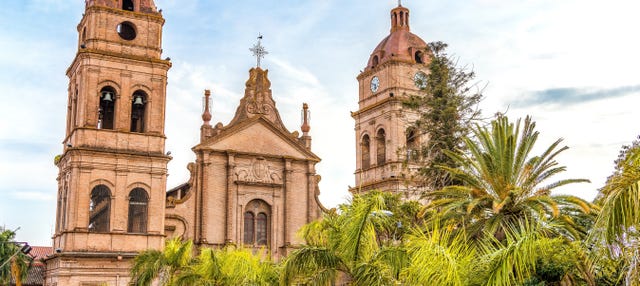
(258, 50)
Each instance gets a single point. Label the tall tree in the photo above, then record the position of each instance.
(618, 225)
(503, 184)
(447, 105)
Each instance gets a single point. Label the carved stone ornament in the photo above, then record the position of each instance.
(257, 100)
(258, 172)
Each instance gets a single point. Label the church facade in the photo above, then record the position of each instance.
(253, 183)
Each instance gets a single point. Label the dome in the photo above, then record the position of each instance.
(401, 44)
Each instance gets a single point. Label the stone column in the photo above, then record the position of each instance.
(232, 199)
(288, 174)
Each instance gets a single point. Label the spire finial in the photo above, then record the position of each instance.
(206, 114)
(305, 120)
(399, 3)
(258, 50)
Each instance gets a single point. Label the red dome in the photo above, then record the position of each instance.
(401, 44)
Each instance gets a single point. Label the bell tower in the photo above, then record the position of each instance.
(386, 146)
(113, 168)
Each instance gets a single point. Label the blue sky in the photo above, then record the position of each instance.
(571, 64)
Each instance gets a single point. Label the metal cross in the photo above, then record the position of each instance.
(258, 50)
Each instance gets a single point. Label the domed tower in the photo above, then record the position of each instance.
(113, 168)
(385, 142)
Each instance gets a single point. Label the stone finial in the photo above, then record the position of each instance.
(206, 115)
(305, 120)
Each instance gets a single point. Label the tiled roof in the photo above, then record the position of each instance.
(35, 275)
(40, 252)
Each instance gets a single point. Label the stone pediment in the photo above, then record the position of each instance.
(258, 136)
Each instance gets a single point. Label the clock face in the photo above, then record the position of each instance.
(420, 80)
(375, 84)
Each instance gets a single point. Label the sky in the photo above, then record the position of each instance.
(571, 64)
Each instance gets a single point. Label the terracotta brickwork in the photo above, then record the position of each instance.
(382, 123)
(254, 165)
(97, 236)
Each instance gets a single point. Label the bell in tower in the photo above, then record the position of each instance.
(113, 169)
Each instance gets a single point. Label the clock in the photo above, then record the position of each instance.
(375, 84)
(420, 80)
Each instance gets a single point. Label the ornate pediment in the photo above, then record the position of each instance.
(257, 100)
(259, 137)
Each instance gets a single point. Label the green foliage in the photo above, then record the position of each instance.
(359, 243)
(447, 106)
(175, 265)
(618, 225)
(7, 249)
(439, 257)
(164, 265)
(503, 184)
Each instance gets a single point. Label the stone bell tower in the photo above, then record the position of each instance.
(386, 146)
(113, 168)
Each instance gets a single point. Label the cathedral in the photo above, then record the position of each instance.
(253, 183)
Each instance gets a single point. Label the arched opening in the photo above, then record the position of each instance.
(256, 227)
(138, 110)
(381, 149)
(127, 5)
(401, 19)
(99, 209)
(138, 202)
(84, 35)
(249, 219)
(261, 229)
(365, 146)
(106, 111)
(418, 57)
(374, 62)
(412, 145)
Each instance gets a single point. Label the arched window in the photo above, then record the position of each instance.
(249, 219)
(127, 5)
(374, 62)
(381, 149)
(412, 145)
(261, 229)
(99, 209)
(106, 111)
(366, 154)
(256, 227)
(418, 57)
(138, 201)
(138, 110)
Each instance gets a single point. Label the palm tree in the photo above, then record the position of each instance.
(163, 265)
(359, 246)
(14, 263)
(439, 257)
(504, 184)
(229, 266)
(618, 225)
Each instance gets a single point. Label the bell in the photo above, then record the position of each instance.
(138, 101)
(107, 96)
